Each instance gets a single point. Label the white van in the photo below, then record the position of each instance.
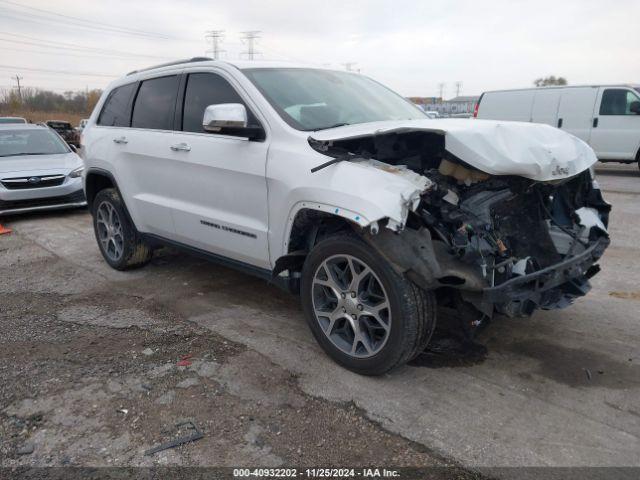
(607, 117)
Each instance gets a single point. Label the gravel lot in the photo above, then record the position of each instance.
(90, 369)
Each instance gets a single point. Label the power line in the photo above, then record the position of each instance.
(71, 46)
(93, 22)
(77, 21)
(62, 72)
(58, 24)
(216, 37)
(62, 52)
(250, 37)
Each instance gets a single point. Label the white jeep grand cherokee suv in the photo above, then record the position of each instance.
(333, 186)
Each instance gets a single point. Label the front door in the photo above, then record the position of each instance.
(616, 132)
(221, 200)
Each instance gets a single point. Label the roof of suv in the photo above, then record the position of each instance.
(240, 64)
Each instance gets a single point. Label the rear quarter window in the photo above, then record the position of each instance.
(115, 112)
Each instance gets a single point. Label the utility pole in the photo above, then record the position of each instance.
(216, 37)
(441, 90)
(17, 78)
(250, 38)
(458, 88)
(348, 66)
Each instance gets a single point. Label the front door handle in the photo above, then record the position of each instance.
(595, 122)
(121, 140)
(559, 123)
(180, 147)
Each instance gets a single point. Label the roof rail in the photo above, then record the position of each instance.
(177, 62)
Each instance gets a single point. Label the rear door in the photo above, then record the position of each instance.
(221, 188)
(545, 106)
(146, 167)
(575, 113)
(99, 142)
(616, 130)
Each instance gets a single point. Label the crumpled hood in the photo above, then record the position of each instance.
(60, 163)
(529, 150)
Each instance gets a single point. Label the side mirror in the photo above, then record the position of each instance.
(635, 108)
(230, 119)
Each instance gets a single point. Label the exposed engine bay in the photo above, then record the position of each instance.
(505, 243)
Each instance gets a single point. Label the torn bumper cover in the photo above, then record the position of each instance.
(552, 287)
(430, 266)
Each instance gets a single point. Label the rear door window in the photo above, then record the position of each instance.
(204, 89)
(115, 112)
(617, 101)
(155, 103)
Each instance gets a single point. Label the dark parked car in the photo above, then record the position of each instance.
(65, 130)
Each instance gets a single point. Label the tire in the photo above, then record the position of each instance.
(123, 248)
(410, 317)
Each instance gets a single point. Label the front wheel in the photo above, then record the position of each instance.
(366, 316)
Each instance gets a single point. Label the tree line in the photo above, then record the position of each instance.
(36, 99)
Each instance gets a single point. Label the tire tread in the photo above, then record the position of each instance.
(137, 252)
(419, 316)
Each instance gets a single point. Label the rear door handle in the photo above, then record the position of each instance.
(180, 147)
(595, 122)
(121, 140)
(559, 123)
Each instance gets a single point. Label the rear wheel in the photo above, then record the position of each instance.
(118, 240)
(366, 316)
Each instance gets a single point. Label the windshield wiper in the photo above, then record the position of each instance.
(23, 154)
(332, 126)
(333, 161)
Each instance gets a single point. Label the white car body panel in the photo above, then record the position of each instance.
(529, 150)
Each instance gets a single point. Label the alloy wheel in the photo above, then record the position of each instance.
(351, 305)
(110, 233)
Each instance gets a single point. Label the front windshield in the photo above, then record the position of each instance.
(314, 99)
(30, 142)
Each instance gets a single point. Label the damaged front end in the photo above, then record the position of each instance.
(529, 244)
(502, 243)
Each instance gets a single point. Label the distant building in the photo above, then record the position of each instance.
(462, 105)
(425, 103)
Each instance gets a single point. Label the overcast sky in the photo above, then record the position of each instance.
(410, 45)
